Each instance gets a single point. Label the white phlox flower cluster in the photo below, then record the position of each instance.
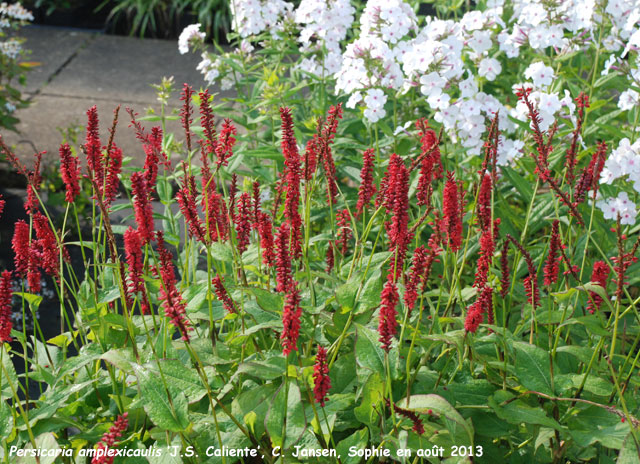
(189, 35)
(251, 17)
(15, 11)
(620, 205)
(324, 24)
(623, 161)
(11, 48)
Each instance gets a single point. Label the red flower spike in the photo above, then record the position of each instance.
(21, 247)
(599, 276)
(266, 239)
(416, 277)
(6, 294)
(451, 211)
(186, 113)
(70, 173)
(207, 122)
(484, 202)
(324, 138)
(223, 295)
(330, 259)
(418, 426)
(142, 206)
(2, 203)
(292, 178)
(243, 222)
(531, 281)
(93, 149)
(504, 270)
(114, 166)
(582, 102)
(343, 220)
(34, 179)
(430, 162)
(226, 141)
(321, 380)
(186, 198)
(171, 299)
(133, 248)
(487, 248)
(291, 320)
(387, 323)
(551, 267)
(46, 246)
(367, 189)
(284, 276)
(104, 453)
(310, 159)
(256, 205)
(397, 200)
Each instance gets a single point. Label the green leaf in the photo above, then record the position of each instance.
(268, 301)
(518, 412)
(6, 420)
(46, 441)
(367, 350)
(179, 378)
(358, 440)
(372, 394)
(629, 453)
(346, 293)
(221, 252)
(533, 368)
(435, 404)
(8, 377)
(166, 414)
(296, 422)
(270, 369)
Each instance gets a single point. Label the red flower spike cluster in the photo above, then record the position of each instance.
(226, 141)
(323, 139)
(291, 178)
(291, 320)
(112, 182)
(310, 159)
(223, 295)
(396, 201)
(452, 213)
(70, 173)
(186, 198)
(330, 258)
(321, 380)
(207, 122)
(590, 176)
(34, 180)
(484, 202)
(171, 299)
(599, 276)
(416, 277)
(104, 451)
(343, 220)
(367, 188)
(531, 281)
(93, 149)
(6, 294)
(186, 113)
(551, 267)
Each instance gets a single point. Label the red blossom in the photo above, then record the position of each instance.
(226, 141)
(114, 166)
(482, 305)
(367, 189)
(21, 247)
(429, 159)
(207, 122)
(397, 201)
(418, 426)
(452, 213)
(387, 319)
(70, 173)
(310, 159)
(284, 276)
(6, 294)
(133, 248)
(416, 277)
(291, 320)
(34, 179)
(582, 102)
(186, 197)
(104, 455)
(265, 230)
(186, 113)
(93, 149)
(171, 299)
(256, 204)
(599, 276)
(243, 222)
(324, 138)
(292, 179)
(487, 248)
(223, 295)
(330, 258)
(46, 246)
(343, 220)
(484, 202)
(142, 206)
(321, 380)
(551, 267)
(531, 281)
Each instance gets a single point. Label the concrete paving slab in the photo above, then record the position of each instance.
(123, 69)
(42, 122)
(52, 47)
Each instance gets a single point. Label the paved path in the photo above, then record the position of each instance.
(79, 69)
